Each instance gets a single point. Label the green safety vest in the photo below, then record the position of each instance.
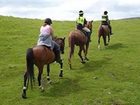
(105, 18)
(80, 20)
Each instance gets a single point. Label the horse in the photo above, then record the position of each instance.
(77, 37)
(103, 31)
(61, 43)
(40, 56)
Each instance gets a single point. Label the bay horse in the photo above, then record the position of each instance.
(40, 56)
(77, 37)
(103, 31)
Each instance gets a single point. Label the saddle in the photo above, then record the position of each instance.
(47, 46)
(80, 27)
(84, 32)
(104, 23)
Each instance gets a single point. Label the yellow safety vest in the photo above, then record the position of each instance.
(105, 18)
(80, 20)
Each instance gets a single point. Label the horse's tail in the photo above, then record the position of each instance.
(101, 31)
(71, 43)
(30, 63)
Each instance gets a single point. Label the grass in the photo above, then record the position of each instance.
(111, 77)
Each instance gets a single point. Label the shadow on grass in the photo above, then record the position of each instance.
(62, 88)
(116, 46)
(91, 66)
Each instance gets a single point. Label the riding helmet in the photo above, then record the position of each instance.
(81, 12)
(48, 21)
(105, 12)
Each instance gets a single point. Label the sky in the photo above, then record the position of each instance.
(68, 9)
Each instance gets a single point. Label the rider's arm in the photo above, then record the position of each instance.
(107, 18)
(85, 21)
(51, 31)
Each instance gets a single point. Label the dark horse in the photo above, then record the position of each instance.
(103, 31)
(40, 56)
(77, 37)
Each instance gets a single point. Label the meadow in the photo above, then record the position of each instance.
(110, 77)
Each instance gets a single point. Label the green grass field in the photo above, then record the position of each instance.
(110, 77)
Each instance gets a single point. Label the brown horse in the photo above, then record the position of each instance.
(61, 43)
(40, 56)
(103, 31)
(77, 37)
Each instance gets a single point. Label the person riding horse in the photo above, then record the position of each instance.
(46, 52)
(45, 39)
(106, 21)
(81, 22)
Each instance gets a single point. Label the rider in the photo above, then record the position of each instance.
(45, 38)
(106, 21)
(81, 22)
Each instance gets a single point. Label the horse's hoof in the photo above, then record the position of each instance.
(49, 82)
(70, 67)
(106, 44)
(24, 96)
(99, 47)
(42, 90)
(48, 78)
(61, 75)
(86, 59)
(83, 62)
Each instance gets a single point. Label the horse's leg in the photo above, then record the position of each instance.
(69, 61)
(30, 71)
(99, 36)
(85, 53)
(61, 69)
(48, 73)
(25, 85)
(33, 77)
(70, 54)
(108, 37)
(87, 46)
(40, 71)
(80, 53)
(104, 38)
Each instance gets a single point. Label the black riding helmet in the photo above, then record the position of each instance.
(81, 12)
(105, 12)
(48, 21)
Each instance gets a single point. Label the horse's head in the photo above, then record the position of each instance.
(61, 43)
(89, 25)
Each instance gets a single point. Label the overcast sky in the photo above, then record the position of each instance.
(68, 9)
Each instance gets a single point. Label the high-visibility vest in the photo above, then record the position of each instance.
(80, 20)
(105, 18)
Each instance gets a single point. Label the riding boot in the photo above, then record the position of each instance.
(110, 29)
(56, 50)
(57, 56)
(88, 36)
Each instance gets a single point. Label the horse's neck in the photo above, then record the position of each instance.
(89, 25)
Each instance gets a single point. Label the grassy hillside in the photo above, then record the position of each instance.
(111, 77)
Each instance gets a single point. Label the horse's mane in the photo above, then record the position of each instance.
(56, 38)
